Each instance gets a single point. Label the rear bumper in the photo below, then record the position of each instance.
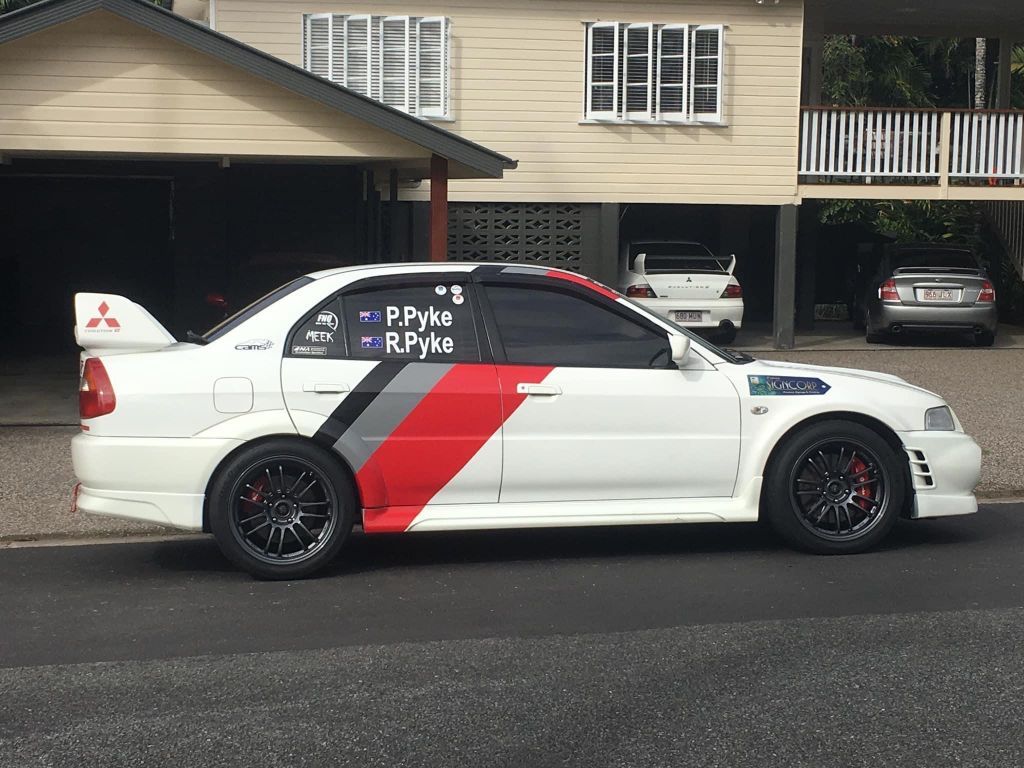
(945, 468)
(883, 317)
(155, 480)
(714, 312)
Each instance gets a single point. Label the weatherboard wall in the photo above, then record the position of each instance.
(518, 84)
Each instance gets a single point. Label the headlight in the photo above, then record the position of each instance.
(939, 419)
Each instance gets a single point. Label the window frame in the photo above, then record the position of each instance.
(493, 329)
(385, 282)
(339, 71)
(654, 115)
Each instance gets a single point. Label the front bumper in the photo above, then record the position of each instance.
(883, 317)
(155, 480)
(714, 312)
(945, 468)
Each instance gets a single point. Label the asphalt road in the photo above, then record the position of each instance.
(694, 645)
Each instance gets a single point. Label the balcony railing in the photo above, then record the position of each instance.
(908, 146)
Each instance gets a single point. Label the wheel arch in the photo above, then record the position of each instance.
(333, 456)
(877, 426)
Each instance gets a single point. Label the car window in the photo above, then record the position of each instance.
(676, 257)
(256, 307)
(426, 322)
(547, 326)
(934, 258)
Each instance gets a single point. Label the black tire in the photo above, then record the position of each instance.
(281, 509)
(804, 505)
(873, 337)
(727, 336)
(985, 339)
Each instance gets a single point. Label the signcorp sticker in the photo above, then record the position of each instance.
(307, 350)
(786, 385)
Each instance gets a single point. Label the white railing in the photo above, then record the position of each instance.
(858, 143)
(987, 145)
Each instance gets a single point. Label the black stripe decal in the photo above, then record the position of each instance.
(357, 401)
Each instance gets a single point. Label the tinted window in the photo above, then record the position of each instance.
(934, 259)
(676, 257)
(257, 306)
(321, 334)
(433, 323)
(549, 327)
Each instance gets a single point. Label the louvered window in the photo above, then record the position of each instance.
(654, 72)
(402, 61)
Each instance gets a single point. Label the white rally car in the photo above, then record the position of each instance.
(456, 396)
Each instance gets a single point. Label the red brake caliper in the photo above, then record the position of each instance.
(858, 470)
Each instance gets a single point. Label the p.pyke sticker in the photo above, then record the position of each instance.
(763, 386)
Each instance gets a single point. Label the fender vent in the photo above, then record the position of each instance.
(919, 469)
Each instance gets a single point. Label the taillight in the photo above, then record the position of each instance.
(732, 291)
(887, 291)
(95, 395)
(988, 293)
(641, 292)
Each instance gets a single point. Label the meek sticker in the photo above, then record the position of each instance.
(786, 385)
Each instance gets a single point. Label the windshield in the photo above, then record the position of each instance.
(934, 258)
(257, 306)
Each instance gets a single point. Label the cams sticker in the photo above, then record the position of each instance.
(254, 344)
(786, 385)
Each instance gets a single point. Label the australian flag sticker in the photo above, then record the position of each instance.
(372, 316)
(786, 385)
(372, 342)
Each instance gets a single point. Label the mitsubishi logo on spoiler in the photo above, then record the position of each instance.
(111, 322)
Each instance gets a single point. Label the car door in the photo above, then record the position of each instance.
(600, 412)
(390, 373)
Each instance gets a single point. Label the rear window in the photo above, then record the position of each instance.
(256, 307)
(676, 257)
(934, 259)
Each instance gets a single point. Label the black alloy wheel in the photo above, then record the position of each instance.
(834, 487)
(281, 510)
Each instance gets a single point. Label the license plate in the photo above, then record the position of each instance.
(937, 294)
(687, 317)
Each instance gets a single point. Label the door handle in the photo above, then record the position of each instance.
(544, 390)
(325, 389)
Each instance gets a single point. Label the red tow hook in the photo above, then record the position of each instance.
(74, 497)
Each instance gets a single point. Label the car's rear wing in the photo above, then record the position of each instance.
(640, 264)
(110, 324)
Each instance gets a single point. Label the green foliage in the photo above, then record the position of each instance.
(909, 221)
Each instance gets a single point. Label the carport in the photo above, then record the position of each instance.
(144, 153)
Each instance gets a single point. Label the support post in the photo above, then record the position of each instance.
(608, 245)
(945, 151)
(785, 277)
(1004, 80)
(438, 208)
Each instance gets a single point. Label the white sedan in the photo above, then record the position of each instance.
(685, 283)
(438, 397)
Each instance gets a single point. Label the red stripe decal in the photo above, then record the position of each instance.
(438, 438)
(593, 285)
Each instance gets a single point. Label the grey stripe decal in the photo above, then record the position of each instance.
(395, 401)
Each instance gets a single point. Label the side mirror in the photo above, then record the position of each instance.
(680, 348)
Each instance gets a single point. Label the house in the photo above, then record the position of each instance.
(550, 130)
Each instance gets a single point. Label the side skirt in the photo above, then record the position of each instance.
(464, 517)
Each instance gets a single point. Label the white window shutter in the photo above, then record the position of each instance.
(638, 71)
(357, 54)
(337, 67)
(673, 75)
(395, 58)
(706, 77)
(433, 67)
(603, 50)
(317, 39)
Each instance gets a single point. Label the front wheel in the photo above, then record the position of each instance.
(281, 509)
(835, 487)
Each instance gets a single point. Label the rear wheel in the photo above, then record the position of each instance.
(984, 339)
(281, 509)
(836, 487)
(727, 335)
(874, 337)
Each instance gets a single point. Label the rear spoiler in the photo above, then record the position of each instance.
(640, 264)
(111, 324)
